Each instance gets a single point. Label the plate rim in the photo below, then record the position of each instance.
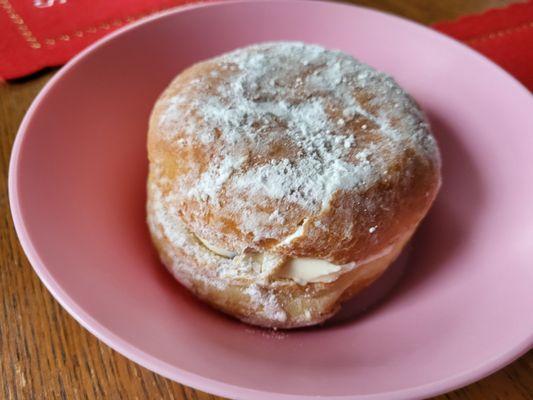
(181, 375)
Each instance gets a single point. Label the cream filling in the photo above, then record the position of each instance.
(302, 270)
(217, 250)
(305, 270)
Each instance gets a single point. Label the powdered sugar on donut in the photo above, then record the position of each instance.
(319, 108)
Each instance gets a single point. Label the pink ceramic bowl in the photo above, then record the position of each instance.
(463, 310)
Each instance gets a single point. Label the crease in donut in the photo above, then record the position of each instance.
(215, 249)
(302, 270)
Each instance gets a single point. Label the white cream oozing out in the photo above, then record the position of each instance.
(304, 270)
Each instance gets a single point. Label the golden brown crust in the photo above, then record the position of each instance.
(291, 150)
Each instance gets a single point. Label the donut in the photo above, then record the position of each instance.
(284, 178)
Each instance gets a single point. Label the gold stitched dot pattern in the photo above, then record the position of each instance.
(21, 25)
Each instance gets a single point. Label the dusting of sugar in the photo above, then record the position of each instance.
(211, 181)
(348, 142)
(268, 301)
(372, 229)
(292, 94)
(276, 217)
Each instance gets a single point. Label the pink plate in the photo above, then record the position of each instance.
(463, 309)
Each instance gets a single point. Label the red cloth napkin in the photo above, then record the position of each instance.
(39, 33)
(505, 35)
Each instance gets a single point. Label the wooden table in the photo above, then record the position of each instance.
(45, 354)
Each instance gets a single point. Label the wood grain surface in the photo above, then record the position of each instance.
(45, 354)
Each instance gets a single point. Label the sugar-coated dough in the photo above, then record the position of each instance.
(284, 151)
